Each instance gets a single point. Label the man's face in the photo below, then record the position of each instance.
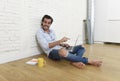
(46, 24)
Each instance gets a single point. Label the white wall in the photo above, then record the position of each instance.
(107, 21)
(20, 19)
(69, 19)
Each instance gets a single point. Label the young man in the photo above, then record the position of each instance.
(55, 49)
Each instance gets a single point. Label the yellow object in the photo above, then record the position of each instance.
(41, 62)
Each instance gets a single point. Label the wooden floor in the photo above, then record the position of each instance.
(63, 71)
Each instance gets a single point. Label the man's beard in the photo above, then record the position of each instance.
(45, 28)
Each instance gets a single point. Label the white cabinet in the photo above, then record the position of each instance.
(107, 21)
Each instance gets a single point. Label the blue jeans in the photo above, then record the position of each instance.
(75, 56)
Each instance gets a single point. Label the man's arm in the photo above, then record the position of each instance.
(64, 39)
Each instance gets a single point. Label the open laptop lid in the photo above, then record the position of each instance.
(71, 47)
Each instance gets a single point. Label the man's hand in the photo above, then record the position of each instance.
(64, 39)
(64, 45)
(52, 44)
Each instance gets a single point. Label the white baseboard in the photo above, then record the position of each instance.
(98, 42)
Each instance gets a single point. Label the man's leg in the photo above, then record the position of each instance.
(79, 65)
(73, 58)
(78, 50)
(95, 62)
(64, 54)
(76, 59)
(54, 55)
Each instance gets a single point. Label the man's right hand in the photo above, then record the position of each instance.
(64, 39)
(52, 44)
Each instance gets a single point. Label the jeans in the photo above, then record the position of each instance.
(75, 56)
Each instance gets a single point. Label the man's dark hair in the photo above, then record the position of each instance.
(48, 17)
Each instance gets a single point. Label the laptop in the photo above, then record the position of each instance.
(70, 48)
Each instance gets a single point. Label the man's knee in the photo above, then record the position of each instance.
(63, 52)
(82, 48)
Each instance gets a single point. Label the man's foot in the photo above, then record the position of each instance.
(95, 62)
(79, 65)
